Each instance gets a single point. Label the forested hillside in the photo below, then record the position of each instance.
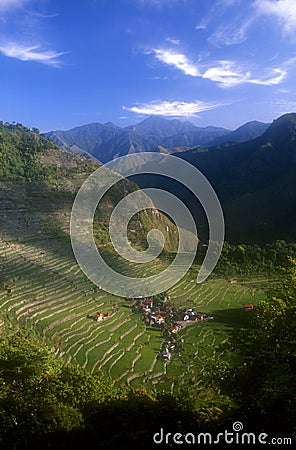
(254, 181)
(82, 367)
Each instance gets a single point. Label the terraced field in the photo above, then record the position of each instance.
(43, 290)
(42, 287)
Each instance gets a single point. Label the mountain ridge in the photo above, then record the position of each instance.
(255, 182)
(108, 141)
(246, 132)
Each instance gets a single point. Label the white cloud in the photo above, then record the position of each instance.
(178, 60)
(173, 41)
(224, 72)
(201, 25)
(10, 47)
(284, 106)
(173, 109)
(230, 34)
(5, 5)
(33, 53)
(283, 10)
(228, 74)
(274, 77)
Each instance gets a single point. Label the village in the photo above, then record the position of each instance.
(157, 312)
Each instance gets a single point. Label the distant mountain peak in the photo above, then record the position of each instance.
(108, 141)
(110, 124)
(246, 132)
(282, 128)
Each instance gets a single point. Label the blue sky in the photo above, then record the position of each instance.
(64, 63)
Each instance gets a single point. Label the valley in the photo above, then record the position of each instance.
(177, 353)
(147, 224)
(43, 289)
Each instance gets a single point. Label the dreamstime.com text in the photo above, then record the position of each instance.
(236, 436)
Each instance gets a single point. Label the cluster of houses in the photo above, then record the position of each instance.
(101, 316)
(166, 351)
(152, 313)
(170, 318)
(248, 306)
(190, 314)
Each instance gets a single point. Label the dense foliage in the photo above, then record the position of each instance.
(18, 149)
(262, 378)
(27, 155)
(245, 259)
(46, 403)
(40, 395)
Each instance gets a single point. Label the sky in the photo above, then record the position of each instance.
(64, 63)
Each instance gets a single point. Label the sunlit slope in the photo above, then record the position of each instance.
(43, 288)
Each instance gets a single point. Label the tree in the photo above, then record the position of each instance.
(261, 379)
(39, 395)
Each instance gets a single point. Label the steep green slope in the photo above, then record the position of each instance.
(255, 182)
(18, 150)
(45, 404)
(43, 288)
(28, 156)
(38, 176)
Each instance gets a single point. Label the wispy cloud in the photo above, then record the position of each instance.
(173, 109)
(27, 22)
(32, 53)
(202, 25)
(225, 73)
(6, 5)
(286, 105)
(231, 34)
(229, 73)
(272, 78)
(173, 41)
(283, 10)
(178, 60)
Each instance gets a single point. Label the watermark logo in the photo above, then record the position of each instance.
(237, 426)
(235, 437)
(95, 187)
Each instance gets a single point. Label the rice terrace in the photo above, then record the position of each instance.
(78, 362)
(147, 224)
(43, 289)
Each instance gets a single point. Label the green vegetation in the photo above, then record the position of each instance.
(254, 259)
(66, 378)
(18, 149)
(251, 378)
(28, 156)
(47, 403)
(39, 394)
(262, 380)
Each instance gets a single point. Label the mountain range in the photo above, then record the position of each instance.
(38, 184)
(252, 169)
(254, 180)
(108, 141)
